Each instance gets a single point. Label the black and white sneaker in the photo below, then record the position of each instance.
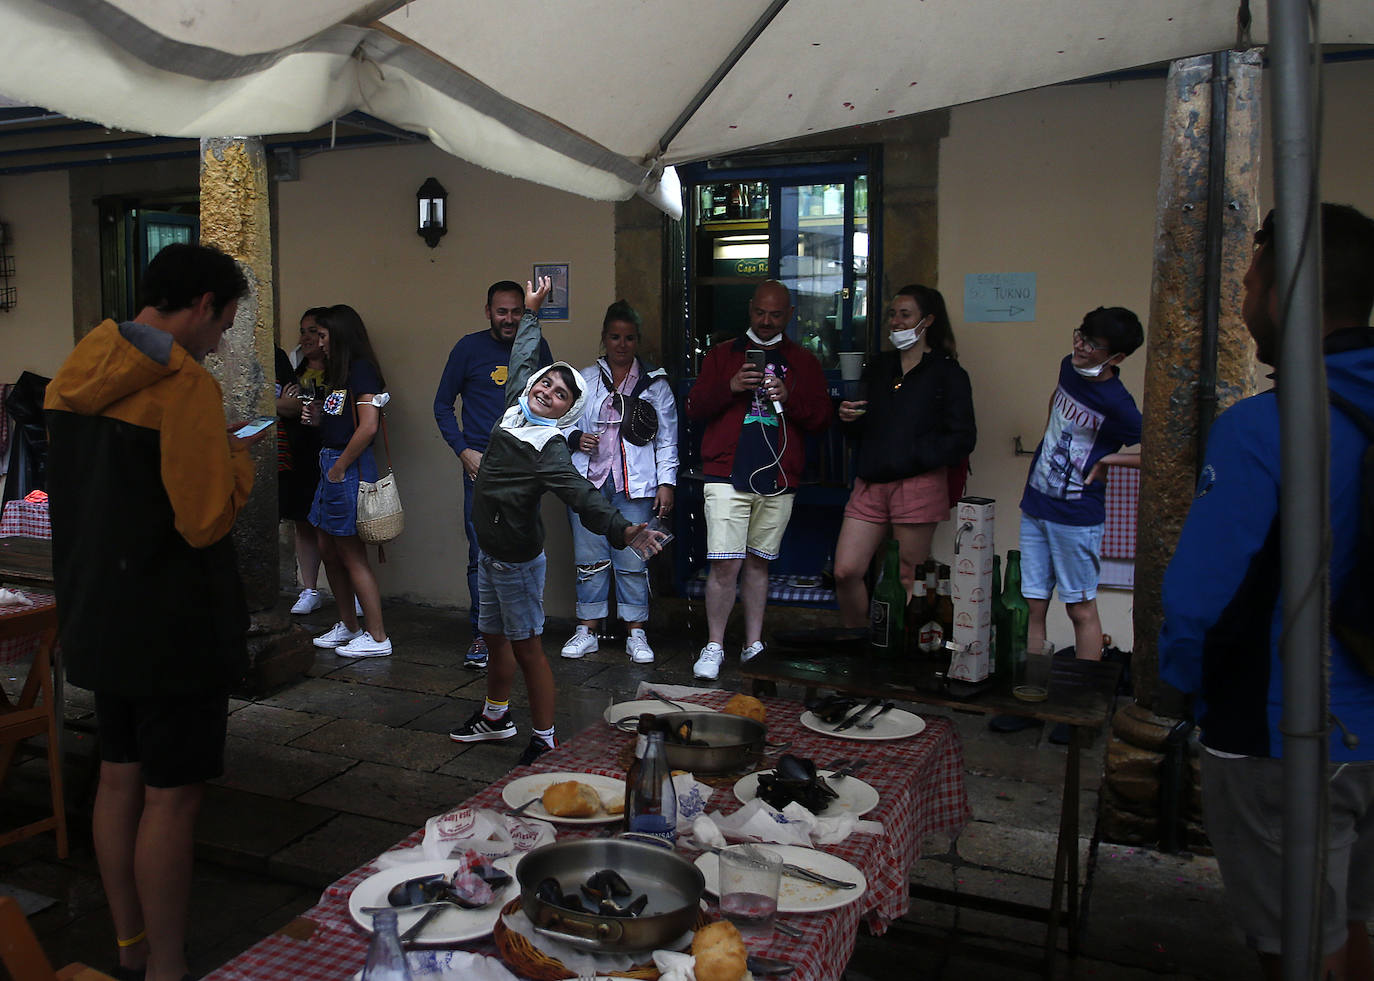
(534, 750)
(478, 728)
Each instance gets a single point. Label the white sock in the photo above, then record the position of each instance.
(547, 736)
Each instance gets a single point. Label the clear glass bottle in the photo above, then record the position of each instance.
(651, 808)
(386, 961)
(647, 724)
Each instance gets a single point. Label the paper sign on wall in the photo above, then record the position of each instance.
(999, 297)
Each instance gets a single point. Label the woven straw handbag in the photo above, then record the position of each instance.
(381, 518)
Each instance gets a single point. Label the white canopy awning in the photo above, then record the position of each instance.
(590, 96)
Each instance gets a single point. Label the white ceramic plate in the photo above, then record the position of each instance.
(893, 724)
(799, 895)
(633, 710)
(523, 789)
(452, 926)
(856, 797)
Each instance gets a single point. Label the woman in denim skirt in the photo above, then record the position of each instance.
(349, 416)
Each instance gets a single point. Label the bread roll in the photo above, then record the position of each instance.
(747, 706)
(571, 799)
(720, 952)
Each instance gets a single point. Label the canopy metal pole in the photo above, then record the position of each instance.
(1304, 503)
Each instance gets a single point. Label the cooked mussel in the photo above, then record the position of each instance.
(795, 768)
(466, 890)
(682, 736)
(795, 779)
(605, 884)
(415, 892)
(609, 907)
(832, 708)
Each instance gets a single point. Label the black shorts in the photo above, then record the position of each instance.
(179, 740)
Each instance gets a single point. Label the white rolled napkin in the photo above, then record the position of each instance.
(760, 821)
(487, 832)
(646, 689)
(692, 797)
(673, 966)
(13, 597)
(829, 830)
(452, 965)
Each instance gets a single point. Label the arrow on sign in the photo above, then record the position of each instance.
(1009, 311)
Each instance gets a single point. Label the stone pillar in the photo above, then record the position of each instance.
(1171, 406)
(235, 216)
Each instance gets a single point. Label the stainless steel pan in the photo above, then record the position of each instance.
(673, 885)
(734, 742)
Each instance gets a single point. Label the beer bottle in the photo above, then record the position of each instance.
(1018, 612)
(915, 616)
(944, 605)
(932, 635)
(887, 610)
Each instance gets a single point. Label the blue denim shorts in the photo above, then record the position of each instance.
(511, 597)
(1067, 558)
(335, 509)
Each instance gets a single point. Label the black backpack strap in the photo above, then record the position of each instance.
(1352, 412)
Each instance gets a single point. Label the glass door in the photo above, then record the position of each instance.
(822, 257)
(806, 225)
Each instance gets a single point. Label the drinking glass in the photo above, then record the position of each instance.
(749, 877)
(656, 525)
(1032, 682)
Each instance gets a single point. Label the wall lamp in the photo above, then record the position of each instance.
(433, 201)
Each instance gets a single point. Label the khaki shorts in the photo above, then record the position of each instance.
(1242, 800)
(739, 522)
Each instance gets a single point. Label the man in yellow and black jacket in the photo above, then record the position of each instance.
(145, 482)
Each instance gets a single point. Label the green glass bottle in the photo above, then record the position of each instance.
(1001, 656)
(887, 610)
(1018, 612)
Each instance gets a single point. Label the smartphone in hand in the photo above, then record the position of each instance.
(254, 427)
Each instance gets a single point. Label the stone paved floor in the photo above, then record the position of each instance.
(327, 772)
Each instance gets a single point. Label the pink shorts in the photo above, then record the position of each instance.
(919, 500)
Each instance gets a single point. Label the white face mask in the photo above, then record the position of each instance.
(1092, 371)
(776, 338)
(904, 339)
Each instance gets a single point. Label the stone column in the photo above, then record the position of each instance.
(235, 216)
(1171, 403)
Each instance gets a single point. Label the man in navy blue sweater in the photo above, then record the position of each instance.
(476, 370)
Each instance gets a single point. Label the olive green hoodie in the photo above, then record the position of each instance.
(524, 459)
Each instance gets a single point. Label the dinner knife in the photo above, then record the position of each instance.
(869, 706)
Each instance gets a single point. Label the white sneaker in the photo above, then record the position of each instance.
(751, 652)
(364, 646)
(708, 662)
(637, 646)
(307, 602)
(580, 643)
(337, 636)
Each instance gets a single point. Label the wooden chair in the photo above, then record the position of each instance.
(23, 957)
(30, 717)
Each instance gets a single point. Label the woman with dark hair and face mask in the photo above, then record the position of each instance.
(350, 413)
(915, 427)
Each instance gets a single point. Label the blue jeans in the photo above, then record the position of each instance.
(473, 593)
(512, 596)
(596, 558)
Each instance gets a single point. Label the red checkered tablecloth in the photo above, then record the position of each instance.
(1123, 497)
(921, 786)
(22, 648)
(25, 519)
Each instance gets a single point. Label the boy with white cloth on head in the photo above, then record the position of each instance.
(528, 455)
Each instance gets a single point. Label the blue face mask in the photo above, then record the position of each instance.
(530, 417)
